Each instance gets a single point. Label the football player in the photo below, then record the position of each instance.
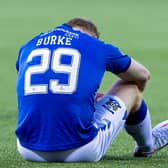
(61, 116)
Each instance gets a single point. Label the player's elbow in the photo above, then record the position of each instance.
(143, 80)
(146, 75)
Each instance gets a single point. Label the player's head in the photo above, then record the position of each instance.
(84, 25)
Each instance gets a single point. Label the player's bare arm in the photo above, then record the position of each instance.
(136, 73)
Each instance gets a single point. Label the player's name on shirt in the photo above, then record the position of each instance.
(54, 40)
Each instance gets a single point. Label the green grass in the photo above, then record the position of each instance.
(139, 28)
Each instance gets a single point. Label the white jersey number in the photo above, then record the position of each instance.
(57, 67)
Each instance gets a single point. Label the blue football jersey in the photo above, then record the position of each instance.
(59, 73)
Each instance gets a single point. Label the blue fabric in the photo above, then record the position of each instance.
(54, 121)
(138, 116)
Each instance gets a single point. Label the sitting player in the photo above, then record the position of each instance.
(61, 115)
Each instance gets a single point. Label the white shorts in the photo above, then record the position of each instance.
(110, 118)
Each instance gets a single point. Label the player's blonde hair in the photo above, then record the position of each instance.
(86, 25)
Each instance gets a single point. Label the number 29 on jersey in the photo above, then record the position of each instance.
(53, 84)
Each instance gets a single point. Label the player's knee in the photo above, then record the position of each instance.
(128, 92)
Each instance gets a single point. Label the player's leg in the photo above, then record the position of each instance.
(110, 113)
(138, 123)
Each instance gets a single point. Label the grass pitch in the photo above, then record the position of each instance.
(139, 28)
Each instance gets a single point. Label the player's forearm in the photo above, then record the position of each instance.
(136, 73)
(141, 84)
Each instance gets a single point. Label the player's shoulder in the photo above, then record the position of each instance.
(31, 41)
(109, 45)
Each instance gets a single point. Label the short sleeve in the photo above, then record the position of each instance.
(17, 63)
(18, 59)
(116, 61)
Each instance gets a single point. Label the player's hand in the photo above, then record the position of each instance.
(99, 96)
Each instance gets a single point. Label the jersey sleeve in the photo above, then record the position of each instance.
(18, 58)
(116, 61)
(17, 61)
